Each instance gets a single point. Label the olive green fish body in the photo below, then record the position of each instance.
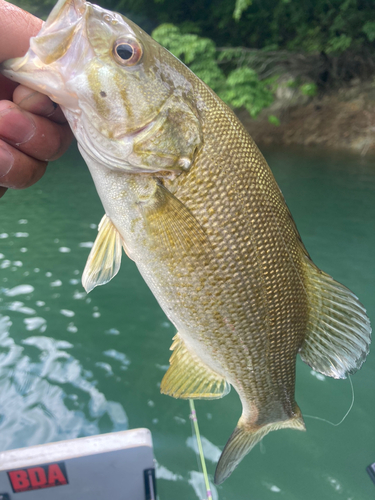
(247, 290)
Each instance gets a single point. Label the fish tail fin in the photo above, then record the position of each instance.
(245, 437)
(338, 331)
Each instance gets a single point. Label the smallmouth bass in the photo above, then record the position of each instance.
(192, 201)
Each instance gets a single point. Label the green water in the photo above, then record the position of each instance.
(73, 365)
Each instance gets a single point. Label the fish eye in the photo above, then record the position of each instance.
(127, 52)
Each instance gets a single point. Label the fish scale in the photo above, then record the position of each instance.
(260, 239)
(192, 201)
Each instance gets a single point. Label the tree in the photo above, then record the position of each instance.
(239, 47)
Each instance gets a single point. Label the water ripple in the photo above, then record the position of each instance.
(20, 307)
(36, 323)
(119, 356)
(211, 452)
(46, 393)
(19, 290)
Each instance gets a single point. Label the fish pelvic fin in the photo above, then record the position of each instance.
(338, 331)
(189, 378)
(245, 437)
(104, 260)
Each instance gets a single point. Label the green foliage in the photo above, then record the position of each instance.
(309, 89)
(196, 52)
(240, 88)
(274, 120)
(332, 26)
(240, 6)
(244, 89)
(338, 44)
(369, 29)
(328, 27)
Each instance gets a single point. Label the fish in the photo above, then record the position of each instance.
(191, 200)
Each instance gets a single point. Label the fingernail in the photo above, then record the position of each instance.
(6, 162)
(15, 126)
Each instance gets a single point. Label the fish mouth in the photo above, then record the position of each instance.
(60, 39)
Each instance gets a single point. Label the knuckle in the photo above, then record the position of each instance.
(63, 138)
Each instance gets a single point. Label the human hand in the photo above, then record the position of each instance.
(33, 129)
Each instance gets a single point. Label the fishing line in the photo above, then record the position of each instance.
(193, 417)
(346, 414)
(194, 435)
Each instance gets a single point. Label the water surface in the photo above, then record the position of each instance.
(73, 365)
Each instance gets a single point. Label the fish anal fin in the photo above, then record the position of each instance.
(104, 260)
(243, 439)
(338, 331)
(189, 378)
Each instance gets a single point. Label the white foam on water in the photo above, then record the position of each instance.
(67, 313)
(35, 408)
(162, 472)
(36, 323)
(335, 484)
(56, 283)
(112, 331)
(196, 480)
(19, 290)
(105, 366)
(119, 356)
(19, 307)
(211, 452)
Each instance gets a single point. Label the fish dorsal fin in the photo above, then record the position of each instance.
(338, 331)
(188, 378)
(104, 259)
(172, 225)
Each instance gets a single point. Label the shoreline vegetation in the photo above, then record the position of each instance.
(341, 119)
(296, 72)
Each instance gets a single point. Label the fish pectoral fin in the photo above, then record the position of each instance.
(243, 439)
(338, 331)
(172, 225)
(189, 378)
(104, 260)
